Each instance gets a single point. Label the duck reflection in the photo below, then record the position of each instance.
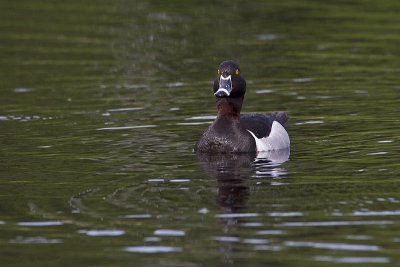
(232, 170)
(229, 170)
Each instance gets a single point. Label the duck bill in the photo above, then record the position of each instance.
(225, 87)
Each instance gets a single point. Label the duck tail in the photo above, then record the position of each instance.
(281, 117)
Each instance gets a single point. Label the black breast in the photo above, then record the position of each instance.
(226, 136)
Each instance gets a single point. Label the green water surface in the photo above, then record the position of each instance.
(101, 103)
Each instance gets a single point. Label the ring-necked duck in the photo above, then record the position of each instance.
(235, 133)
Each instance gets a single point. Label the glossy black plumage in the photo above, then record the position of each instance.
(260, 124)
(226, 136)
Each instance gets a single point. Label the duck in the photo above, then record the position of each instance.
(232, 132)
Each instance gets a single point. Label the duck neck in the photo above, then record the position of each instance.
(229, 108)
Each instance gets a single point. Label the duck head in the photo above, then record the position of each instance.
(229, 82)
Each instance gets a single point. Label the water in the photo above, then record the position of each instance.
(102, 103)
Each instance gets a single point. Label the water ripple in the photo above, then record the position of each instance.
(124, 109)
(252, 224)
(125, 127)
(23, 118)
(255, 241)
(267, 37)
(377, 213)
(310, 122)
(35, 240)
(271, 232)
(264, 91)
(268, 247)
(203, 211)
(211, 117)
(102, 232)
(152, 239)
(156, 180)
(179, 180)
(285, 214)
(377, 153)
(137, 216)
(152, 249)
(236, 215)
(40, 224)
(332, 246)
(194, 123)
(359, 237)
(334, 223)
(302, 80)
(228, 239)
(352, 259)
(22, 90)
(169, 232)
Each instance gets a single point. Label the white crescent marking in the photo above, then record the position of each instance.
(277, 139)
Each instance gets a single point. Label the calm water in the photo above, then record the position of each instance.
(102, 103)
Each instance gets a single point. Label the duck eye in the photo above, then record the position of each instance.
(237, 72)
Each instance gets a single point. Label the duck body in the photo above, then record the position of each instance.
(253, 133)
(232, 132)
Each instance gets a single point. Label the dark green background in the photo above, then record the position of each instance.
(333, 66)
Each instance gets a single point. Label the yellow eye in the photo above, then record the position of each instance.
(237, 71)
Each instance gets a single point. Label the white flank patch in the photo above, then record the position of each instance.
(277, 139)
